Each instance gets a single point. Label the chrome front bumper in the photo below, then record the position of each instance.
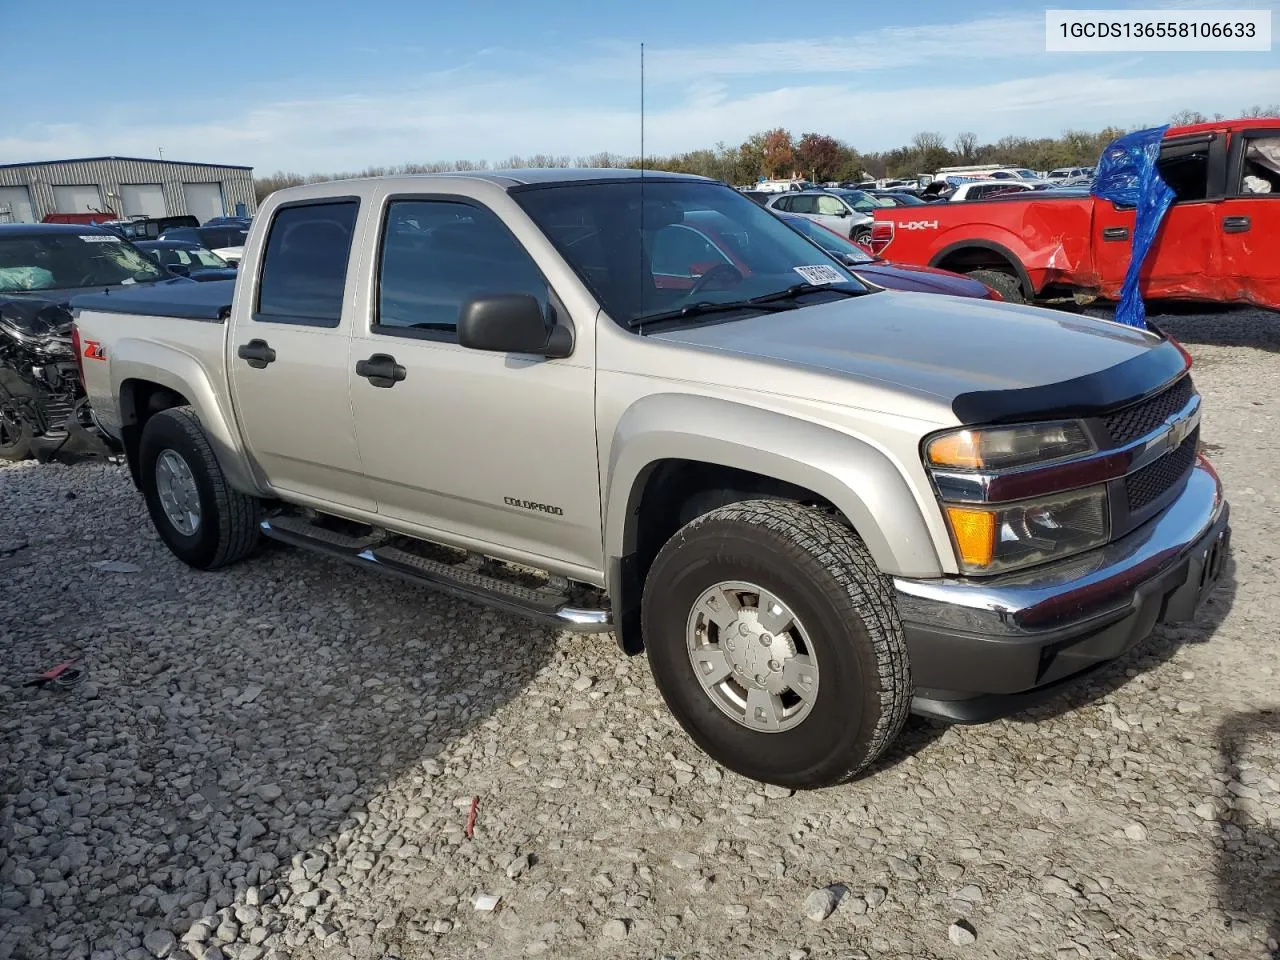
(979, 647)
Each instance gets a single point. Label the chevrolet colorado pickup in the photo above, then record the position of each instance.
(1219, 242)
(815, 505)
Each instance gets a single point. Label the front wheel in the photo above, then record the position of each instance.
(861, 235)
(15, 434)
(202, 520)
(774, 640)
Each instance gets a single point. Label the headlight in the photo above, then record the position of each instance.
(993, 538)
(1001, 448)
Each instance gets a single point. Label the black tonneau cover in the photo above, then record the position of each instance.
(180, 298)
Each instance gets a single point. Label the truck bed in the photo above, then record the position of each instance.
(180, 299)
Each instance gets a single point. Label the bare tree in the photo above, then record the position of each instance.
(926, 142)
(966, 145)
(1184, 117)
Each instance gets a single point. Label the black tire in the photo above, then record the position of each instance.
(823, 571)
(861, 235)
(228, 527)
(15, 438)
(1005, 284)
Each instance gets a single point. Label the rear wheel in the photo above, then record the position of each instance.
(774, 640)
(1005, 284)
(862, 235)
(204, 522)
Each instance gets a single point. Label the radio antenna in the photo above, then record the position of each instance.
(642, 108)
(644, 266)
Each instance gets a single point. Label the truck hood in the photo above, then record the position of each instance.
(1019, 361)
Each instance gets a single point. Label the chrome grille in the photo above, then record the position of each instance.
(1147, 485)
(1146, 415)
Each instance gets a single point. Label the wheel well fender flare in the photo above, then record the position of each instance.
(859, 479)
(141, 365)
(991, 246)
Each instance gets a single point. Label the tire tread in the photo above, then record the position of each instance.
(238, 513)
(857, 586)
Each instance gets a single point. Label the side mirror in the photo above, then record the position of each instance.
(844, 212)
(181, 269)
(511, 323)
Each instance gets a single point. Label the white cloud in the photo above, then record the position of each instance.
(468, 115)
(884, 48)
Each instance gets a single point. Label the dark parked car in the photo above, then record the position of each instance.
(226, 242)
(188, 259)
(148, 228)
(759, 196)
(882, 273)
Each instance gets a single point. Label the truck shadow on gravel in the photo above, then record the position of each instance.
(1248, 846)
(234, 734)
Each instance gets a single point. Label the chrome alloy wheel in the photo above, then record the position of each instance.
(752, 656)
(178, 493)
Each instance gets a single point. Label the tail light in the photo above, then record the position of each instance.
(79, 349)
(993, 293)
(881, 235)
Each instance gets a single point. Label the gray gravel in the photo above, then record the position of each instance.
(278, 760)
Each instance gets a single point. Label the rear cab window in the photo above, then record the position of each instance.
(304, 269)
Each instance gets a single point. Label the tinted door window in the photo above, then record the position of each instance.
(680, 251)
(437, 255)
(304, 270)
(1186, 172)
(1260, 172)
(804, 205)
(783, 203)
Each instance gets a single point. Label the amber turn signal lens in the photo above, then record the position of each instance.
(960, 449)
(975, 534)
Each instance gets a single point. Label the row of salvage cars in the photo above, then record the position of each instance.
(42, 266)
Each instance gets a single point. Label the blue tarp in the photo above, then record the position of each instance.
(1127, 175)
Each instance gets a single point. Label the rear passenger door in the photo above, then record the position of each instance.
(288, 356)
(1249, 219)
(471, 447)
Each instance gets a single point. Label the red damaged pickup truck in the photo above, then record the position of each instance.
(1220, 241)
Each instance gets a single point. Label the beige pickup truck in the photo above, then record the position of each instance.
(642, 404)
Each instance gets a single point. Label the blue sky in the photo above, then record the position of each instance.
(325, 86)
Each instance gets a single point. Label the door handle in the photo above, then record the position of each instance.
(381, 370)
(1115, 233)
(257, 352)
(1235, 224)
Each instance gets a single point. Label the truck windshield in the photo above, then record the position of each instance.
(66, 261)
(648, 249)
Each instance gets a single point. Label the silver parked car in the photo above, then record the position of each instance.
(847, 212)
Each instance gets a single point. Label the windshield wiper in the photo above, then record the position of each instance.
(799, 289)
(704, 308)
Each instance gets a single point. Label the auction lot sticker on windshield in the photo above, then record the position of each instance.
(821, 274)
(99, 238)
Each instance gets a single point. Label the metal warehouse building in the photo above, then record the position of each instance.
(123, 187)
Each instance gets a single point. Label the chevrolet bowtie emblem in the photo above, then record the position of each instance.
(1178, 430)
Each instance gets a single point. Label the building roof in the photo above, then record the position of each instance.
(179, 163)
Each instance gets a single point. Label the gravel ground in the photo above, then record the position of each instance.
(279, 760)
